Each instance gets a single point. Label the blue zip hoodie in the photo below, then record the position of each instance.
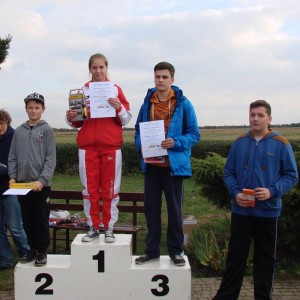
(183, 129)
(5, 142)
(268, 163)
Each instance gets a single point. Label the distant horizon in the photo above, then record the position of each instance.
(201, 127)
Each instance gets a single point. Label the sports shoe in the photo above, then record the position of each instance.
(178, 260)
(109, 236)
(91, 235)
(28, 257)
(41, 259)
(145, 258)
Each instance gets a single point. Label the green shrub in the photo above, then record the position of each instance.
(208, 173)
(131, 159)
(289, 223)
(66, 159)
(201, 149)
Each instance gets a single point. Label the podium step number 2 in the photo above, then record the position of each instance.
(97, 270)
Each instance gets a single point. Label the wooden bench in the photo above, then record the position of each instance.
(131, 203)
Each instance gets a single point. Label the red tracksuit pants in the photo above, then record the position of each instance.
(100, 175)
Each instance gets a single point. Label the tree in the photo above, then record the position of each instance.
(4, 46)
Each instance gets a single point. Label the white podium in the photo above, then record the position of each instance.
(99, 270)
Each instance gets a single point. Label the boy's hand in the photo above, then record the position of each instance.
(262, 194)
(167, 143)
(38, 186)
(242, 202)
(12, 181)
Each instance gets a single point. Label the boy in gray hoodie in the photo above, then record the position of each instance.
(32, 159)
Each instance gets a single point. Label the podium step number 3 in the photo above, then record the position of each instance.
(97, 270)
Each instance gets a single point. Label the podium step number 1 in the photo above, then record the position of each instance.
(99, 270)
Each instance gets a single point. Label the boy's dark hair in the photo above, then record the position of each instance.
(263, 103)
(5, 116)
(165, 66)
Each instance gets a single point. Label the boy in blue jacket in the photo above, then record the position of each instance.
(10, 211)
(262, 162)
(167, 102)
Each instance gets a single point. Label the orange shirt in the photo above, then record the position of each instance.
(163, 110)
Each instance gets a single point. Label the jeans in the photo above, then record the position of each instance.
(10, 218)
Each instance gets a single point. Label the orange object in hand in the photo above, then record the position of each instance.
(249, 195)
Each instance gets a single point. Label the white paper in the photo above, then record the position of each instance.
(17, 192)
(100, 92)
(152, 134)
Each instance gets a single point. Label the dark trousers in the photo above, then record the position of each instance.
(264, 234)
(35, 207)
(158, 180)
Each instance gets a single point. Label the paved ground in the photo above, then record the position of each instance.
(205, 288)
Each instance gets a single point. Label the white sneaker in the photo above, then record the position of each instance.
(91, 235)
(109, 236)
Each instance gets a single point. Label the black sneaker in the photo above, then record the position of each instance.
(145, 258)
(91, 235)
(28, 257)
(178, 260)
(41, 259)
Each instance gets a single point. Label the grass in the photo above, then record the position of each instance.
(70, 137)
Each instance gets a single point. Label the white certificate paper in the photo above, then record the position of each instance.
(100, 92)
(17, 192)
(152, 134)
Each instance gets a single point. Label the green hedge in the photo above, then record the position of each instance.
(289, 222)
(67, 157)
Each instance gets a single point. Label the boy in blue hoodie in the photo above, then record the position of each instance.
(261, 161)
(10, 211)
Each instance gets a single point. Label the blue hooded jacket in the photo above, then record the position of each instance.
(5, 143)
(268, 163)
(183, 129)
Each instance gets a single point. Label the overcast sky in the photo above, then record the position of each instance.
(226, 53)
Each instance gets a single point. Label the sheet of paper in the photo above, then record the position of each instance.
(152, 134)
(100, 92)
(17, 192)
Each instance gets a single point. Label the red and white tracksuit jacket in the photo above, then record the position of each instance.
(100, 162)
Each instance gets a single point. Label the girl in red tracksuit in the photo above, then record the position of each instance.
(100, 159)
